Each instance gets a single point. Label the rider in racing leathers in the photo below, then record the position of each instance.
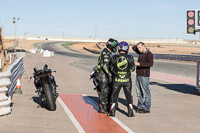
(122, 65)
(104, 75)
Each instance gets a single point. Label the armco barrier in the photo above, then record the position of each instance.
(92, 51)
(8, 81)
(193, 58)
(197, 78)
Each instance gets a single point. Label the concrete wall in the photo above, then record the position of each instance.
(101, 40)
(1, 51)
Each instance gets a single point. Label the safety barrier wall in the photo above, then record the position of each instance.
(47, 53)
(197, 77)
(8, 81)
(17, 69)
(92, 51)
(176, 40)
(193, 58)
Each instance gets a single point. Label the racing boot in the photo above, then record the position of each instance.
(101, 110)
(104, 105)
(112, 110)
(130, 110)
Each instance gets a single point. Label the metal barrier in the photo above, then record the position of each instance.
(17, 69)
(193, 58)
(197, 78)
(8, 81)
(177, 57)
(92, 51)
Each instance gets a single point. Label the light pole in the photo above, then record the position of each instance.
(63, 34)
(26, 33)
(95, 32)
(15, 27)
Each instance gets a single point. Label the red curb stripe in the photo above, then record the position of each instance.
(173, 78)
(90, 120)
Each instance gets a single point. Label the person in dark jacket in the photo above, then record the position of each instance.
(122, 65)
(104, 75)
(143, 65)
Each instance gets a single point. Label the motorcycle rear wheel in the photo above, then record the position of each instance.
(49, 99)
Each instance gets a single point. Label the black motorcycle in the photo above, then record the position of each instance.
(95, 81)
(46, 87)
(93, 76)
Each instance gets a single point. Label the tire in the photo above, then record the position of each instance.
(50, 101)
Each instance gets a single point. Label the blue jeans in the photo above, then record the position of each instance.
(143, 93)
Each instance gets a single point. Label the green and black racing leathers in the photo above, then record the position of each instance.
(104, 78)
(122, 65)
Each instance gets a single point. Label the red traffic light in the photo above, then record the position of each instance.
(191, 22)
(191, 14)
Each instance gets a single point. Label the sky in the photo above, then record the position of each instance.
(102, 19)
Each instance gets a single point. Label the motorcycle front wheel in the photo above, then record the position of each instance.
(49, 99)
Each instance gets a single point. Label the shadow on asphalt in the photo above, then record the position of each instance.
(182, 88)
(38, 100)
(120, 100)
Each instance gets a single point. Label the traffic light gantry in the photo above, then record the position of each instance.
(190, 21)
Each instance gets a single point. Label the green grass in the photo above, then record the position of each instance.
(36, 45)
(195, 53)
(67, 44)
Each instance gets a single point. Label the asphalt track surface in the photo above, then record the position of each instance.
(175, 107)
(187, 69)
(51, 46)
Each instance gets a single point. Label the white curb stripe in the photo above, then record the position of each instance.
(94, 104)
(122, 125)
(71, 116)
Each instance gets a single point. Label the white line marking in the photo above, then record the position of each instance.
(122, 125)
(181, 74)
(94, 104)
(71, 116)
